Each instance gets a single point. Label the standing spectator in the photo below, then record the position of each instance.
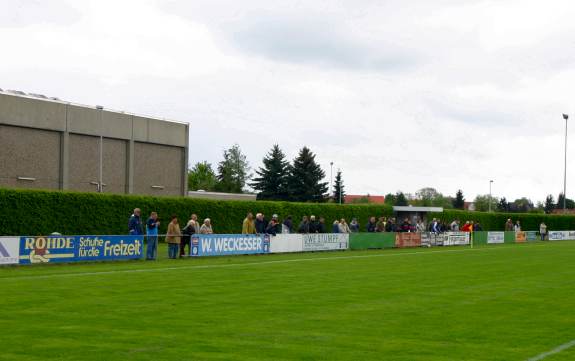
(321, 225)
(390, 225)
(277, 225)
(249, 226)
(466, 227)
(173, 236)
(191, 228)
(135, 223)
(405, 226)
(303, 226)
(371, 225)
(477, 227)
(543, 230)
(271, 228)
(313, 224)
(206, 228)
(335, 227)
(454, 226)
(354, 226)
(380, 225)
(343, 226)
(287, 226)
(260, 224)
(509, 225)
(419, 226)
(152, 232)
(435, 226)
(517, 227)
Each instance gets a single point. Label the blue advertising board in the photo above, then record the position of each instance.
(229, 244)
(60, 249)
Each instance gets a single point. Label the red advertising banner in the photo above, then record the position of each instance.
(409, 239)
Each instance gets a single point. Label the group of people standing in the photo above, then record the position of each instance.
(311, 224)
(177, 238)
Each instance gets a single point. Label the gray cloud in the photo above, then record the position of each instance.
(316, 41)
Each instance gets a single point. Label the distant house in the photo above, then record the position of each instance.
(560, 211)
(367, 198)
(469, 206)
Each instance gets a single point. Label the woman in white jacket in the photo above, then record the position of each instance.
(343, 226)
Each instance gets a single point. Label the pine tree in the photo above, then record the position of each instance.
(549, 204)
(400, 199)
(272, 180)
(338, 192)
(503, 205)
(233, 171)
(459, 201)
(305, 181)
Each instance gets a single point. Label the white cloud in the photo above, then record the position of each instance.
(399, 94)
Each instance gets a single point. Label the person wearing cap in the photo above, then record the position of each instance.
(277, 227)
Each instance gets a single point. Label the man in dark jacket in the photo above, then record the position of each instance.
(303, 226)
(135, 224)
(260, 223)
(313, 225)
(371, 225)
(271, 228)
(321, 225)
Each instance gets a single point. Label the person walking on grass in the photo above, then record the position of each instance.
(173, 236)
(152, 225)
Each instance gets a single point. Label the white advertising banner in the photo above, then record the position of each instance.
(456, 239)
(9, 250)
(285, 243)
(495, 237)
(561, 235)
(325, 241)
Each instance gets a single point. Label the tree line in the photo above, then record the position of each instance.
(278, 179)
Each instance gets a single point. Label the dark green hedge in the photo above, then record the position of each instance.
(29, 212)
(496, 221)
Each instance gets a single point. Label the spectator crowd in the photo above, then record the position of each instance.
(178, 239)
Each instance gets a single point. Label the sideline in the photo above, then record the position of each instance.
(557, 349)
(248, 264)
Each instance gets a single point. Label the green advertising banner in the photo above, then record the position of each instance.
(371, 240)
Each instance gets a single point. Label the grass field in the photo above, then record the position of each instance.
(506, 302)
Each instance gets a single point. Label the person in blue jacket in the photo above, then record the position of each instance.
(135, 224)
(152, 225)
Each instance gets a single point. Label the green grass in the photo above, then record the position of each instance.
(505, 302)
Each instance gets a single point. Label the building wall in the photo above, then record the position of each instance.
(29, 153)
(157, 166)
(59, 144)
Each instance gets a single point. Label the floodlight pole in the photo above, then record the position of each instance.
(339, 190)
(490, 183)
(330, 178)
(565, 116)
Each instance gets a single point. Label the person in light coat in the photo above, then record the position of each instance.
(343, 226)
(206, 228)
(173, 236)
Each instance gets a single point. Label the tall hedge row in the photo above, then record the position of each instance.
(29, 212)
(496, 221)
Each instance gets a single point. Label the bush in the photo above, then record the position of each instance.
(30, 212)
(496, 221)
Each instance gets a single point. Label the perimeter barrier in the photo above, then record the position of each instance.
(61, 249)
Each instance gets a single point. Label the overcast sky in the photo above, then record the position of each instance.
(399, 94)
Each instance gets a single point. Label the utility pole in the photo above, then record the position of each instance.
(565, 116)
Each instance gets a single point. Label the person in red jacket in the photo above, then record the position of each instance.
(467, 227)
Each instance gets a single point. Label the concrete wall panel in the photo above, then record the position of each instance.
(29, 153)
(26, 112)
(158, 165)
(84, 160)
(114, 164)
(83, 120)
